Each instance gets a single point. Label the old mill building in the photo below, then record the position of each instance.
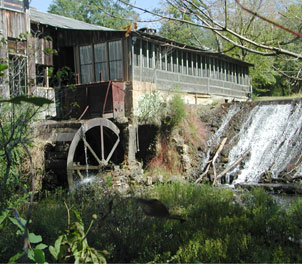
(106, 71)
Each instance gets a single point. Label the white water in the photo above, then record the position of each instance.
(272, 133)
(234, 109)
(85, 150)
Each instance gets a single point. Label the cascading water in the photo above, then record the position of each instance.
(85, 150)
(272, 134)
(234, 109)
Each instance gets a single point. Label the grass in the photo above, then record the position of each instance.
(220, 226)
(275, 98)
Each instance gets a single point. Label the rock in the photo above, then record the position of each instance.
(224, 159)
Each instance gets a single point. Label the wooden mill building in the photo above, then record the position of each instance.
(96, 71)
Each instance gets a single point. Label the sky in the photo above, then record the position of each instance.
(42, 5)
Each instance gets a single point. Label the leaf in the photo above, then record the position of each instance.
(3, 216)
(39, 256)
(53, 252)
(57, 247)
(15, 222)
(34, 238)
(15, 257)
(94, 258)
(30, 254)
(3, 67)
(38, 101)
(41, 246)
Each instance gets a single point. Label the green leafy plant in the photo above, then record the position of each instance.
(35, 253)
(150, 108)
(37, 101)
(73, 245)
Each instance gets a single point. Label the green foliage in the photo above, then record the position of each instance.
(167, 116)
(153, 110)
(73, 245)
(37, 101)
(175, 114)
(3, 67)
(34, 253)
(150, 108)
(221, 226)
(15, 121)
(100, 12)
(182, 32)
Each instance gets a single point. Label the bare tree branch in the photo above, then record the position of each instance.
(206, 21)
(269, 21)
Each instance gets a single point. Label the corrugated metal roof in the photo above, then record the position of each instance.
(61, 21)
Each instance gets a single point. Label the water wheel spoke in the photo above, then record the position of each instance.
(92, 151)
(102, 142)
(80, 174)
(112, 150)
(85, 167)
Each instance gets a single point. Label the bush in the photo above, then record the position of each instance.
(175, 112)
(150, 107)
(221, 226)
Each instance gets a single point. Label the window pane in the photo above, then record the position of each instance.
(145, 47)
(116, 70)
(14, 4)
(150, 48)
(116, 60)
(163, 58)
(184, 68)
(100, 57)
(169, 58)
(17, 75)
(175, 60)
(86, 74)
(157, 57)
(137, 53)
(86, 64)
(85, 54)
(101, 69)
(115, 50)
(100, 52)
(190, 64)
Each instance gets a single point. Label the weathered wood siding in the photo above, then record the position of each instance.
(68, 38)
(15, 24)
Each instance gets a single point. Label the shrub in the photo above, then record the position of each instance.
(218, 228)
(176, 111)
(150, 107)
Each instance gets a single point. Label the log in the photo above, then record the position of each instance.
(216, 156)
(212, 162)
(235, 163)
(203, 174)
(288, 188)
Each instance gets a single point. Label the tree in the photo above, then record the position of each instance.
(246, 29)
(107, 13)
(183, 32)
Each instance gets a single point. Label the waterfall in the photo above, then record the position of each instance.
(272, 134)
(234, 109)
(85, 149)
